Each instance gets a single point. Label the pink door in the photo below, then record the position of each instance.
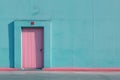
(32, 47)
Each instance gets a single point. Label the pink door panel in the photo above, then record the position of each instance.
(32, 47)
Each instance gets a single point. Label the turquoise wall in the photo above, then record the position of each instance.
(85, 33)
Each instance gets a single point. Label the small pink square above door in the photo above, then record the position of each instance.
(32, 47)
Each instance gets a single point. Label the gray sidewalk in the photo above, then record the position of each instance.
(42, 75)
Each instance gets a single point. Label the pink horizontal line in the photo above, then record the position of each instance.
(9, 69)
(81, 69)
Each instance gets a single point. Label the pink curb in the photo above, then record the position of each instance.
(9, 69)
(82, 69)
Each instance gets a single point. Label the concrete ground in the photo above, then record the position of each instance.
(44, 75)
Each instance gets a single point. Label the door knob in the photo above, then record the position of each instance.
(41, 49)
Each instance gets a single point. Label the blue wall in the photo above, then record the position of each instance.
(85, 33)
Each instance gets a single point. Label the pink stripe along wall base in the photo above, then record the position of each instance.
(84, 69)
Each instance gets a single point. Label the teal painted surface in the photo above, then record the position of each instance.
(85, 33)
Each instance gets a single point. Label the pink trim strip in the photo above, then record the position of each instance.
(9, 69)
(81, 69)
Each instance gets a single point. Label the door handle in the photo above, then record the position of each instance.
(41, 49)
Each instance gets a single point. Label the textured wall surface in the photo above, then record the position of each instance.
(85, 33)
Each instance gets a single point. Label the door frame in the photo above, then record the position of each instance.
(18, 25)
